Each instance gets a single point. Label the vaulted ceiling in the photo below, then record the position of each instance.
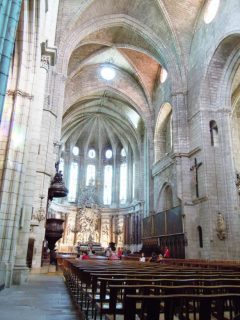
(137, 38)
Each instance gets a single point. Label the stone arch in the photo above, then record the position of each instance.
(165, 198)
(163, 53)
(224, 63)
(163, 132)
(217, 103)
(224, 91)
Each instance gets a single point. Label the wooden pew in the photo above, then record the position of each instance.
(208, 304)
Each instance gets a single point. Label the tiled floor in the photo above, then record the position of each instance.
(45, 297)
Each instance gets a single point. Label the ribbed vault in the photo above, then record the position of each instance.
(137, 41)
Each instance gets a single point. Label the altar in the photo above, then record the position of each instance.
(87, 225)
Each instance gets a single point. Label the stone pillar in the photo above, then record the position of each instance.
(14, 165)
(117, 181)
(129, 175)
(181, 155)
(9, 16)
(114, 181)
(146, 174)
(43, 175)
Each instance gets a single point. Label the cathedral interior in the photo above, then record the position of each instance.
(130, 105)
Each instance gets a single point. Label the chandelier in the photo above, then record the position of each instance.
(39, 215)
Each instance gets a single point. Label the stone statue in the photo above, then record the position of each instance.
(105, 230)
(221, 227)
(105, 233)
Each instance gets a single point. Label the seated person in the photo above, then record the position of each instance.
(166, 253)
(79, 256)
(160, 258)
(85, 256)
(142, 258)
(153, 258)
(108, 252)
(119, 253)
(113, 255)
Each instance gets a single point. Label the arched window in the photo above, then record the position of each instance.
(91, 175)
(107, 192)
(211, 10)
(123, 153)
(213, 133)
(123, 183)
(169, 134)
(163, 136)
(75, 151)
(108, 154)
(200, 236)
(92, 153)
(73, 182)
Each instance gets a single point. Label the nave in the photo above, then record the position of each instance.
(44, 297)
(127, 290)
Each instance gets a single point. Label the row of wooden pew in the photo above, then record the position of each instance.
(132, 290)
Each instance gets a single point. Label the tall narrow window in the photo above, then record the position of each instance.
(200, 236)
(213, 133)
(91, 175)
(133, 180)
(107, 192)
(73, 182)
(92, 153)
(75, 151)
(123, 183)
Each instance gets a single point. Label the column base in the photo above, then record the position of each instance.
(20, 275)
(5, 275)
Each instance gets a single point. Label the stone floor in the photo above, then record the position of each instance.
(45, 297)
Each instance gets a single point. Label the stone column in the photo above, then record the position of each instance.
(14, 165)
(181, 153)
(117, 182)
(9, 16)
(114, 181)
(129, 175)
(146, 174)
(43, 175)
(32, 183)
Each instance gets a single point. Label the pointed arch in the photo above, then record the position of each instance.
(165, 199)
(163, 132)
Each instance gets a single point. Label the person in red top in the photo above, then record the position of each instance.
(85, 256)
(119, 253)
(166, 253)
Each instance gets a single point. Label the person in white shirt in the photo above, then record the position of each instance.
(142, 258)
